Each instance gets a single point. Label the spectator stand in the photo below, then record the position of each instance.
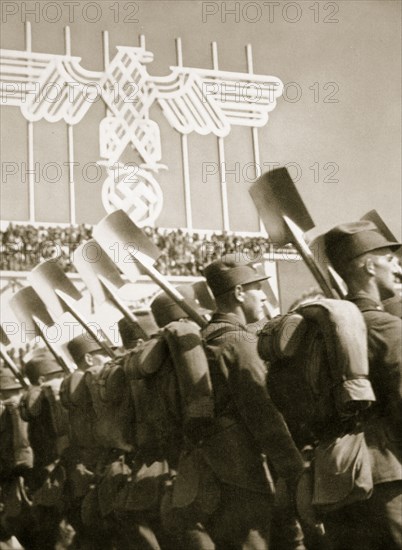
(184, 254)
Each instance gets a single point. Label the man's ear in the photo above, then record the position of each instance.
(239, 293)
(369, 266)
(139, 342)
(89, 360)
(41, 379)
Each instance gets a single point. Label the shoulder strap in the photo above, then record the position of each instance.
(224, 328)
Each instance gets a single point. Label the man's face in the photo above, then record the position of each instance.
(97, 358)
(53, 379)
(253, 302)
(386, 270)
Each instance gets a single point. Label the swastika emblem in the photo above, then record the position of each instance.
(135, 191)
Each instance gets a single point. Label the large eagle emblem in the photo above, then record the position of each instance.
(56, 87)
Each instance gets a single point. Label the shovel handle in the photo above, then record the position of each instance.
(51, 348)
(304, 251)
(170, 290)
(13, 367)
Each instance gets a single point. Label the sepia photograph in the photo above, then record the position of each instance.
(200, 275)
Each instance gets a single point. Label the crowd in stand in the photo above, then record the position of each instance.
(24, 246)
(183, 253)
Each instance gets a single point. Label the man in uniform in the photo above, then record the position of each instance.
(47, 431)
(235, 461)
(87, 352)
(134, 333)
(15, 460)
(9, 384)
(45, 374)
(85, 455)
(364, 258)
(41, 367)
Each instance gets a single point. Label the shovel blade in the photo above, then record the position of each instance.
(48, 277)
(92, 262)
(275, 195)
(124, 242)
(26, 304)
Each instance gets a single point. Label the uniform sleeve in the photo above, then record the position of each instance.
(385, 350)
(247, 381)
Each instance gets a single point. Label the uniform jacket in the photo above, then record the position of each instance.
(247, 423)
(16, 454)
(383, 428)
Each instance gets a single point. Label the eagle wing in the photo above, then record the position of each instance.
(56, 87)
(209, 101)
(53, 87)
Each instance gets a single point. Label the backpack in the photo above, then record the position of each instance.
(153, 386)
(112, 406)
(318, 367)
(171, 389)
(15, 452)
(76, 399)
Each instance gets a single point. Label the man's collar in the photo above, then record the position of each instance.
(228, 318)
(361, 295)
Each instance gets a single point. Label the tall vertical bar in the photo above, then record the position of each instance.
(31, 165)
(106, 55)
(254, 131)
(106, 62)
(221, 156)
(184, 154)
(70, 143)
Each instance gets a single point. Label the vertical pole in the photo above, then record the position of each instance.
(254, 131)
(70, 144)
(31, 166)
(106, 56)
(221, 155)
(184, 154)
(106, 63)
(258, 171)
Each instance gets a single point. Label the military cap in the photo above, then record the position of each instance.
(8, 380)
(40, 362)
(81, 345)
(348, 241)
(166, 310)
(131, 332)
(224, 274)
